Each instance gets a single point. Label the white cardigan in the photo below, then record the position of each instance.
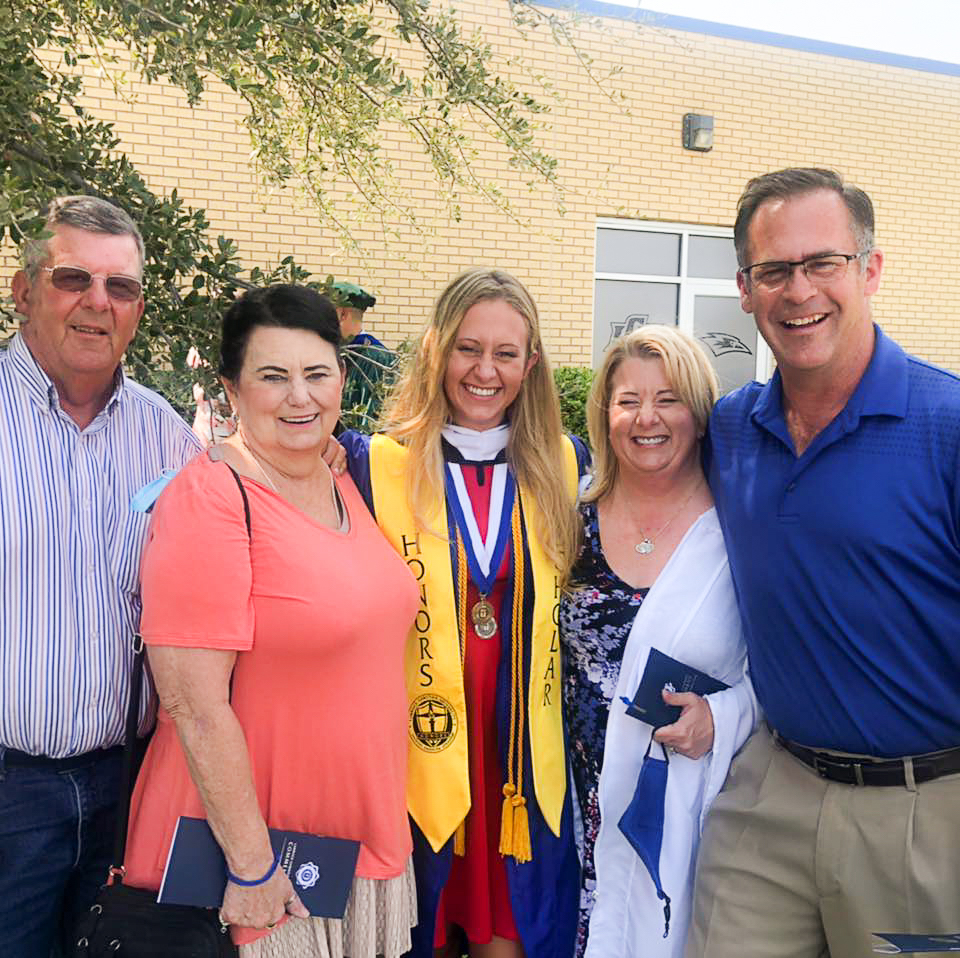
(690, 613)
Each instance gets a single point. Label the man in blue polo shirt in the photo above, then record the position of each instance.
(838, 488)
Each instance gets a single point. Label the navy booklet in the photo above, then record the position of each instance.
(891, 944)
(663, 672)
(320, 869)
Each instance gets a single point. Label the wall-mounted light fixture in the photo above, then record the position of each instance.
(697, 132)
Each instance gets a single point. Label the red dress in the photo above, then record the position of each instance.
(476, 896)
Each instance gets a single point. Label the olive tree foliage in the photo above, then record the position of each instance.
(320, 83)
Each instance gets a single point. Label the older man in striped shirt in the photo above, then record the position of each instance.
(77, 440)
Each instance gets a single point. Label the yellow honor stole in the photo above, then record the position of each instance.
(438, 785)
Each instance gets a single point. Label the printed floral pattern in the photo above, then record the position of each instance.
(595, 620)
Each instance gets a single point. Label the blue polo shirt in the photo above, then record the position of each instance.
(846, 559)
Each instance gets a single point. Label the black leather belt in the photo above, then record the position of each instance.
(15, 758)
(854, 771)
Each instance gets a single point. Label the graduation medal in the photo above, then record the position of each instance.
(484, 622)
(483, 553)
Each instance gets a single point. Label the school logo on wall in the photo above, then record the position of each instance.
(433, 722)
(628, 325)
(722, 343)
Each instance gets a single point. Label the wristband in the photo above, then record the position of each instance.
(257, 881)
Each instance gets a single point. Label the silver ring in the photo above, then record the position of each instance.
(223, 925)
(672, 750)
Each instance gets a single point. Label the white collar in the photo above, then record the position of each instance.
(477, 446)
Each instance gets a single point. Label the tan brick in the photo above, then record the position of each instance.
(881, 125)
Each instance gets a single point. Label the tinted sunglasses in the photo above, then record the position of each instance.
(76, 279)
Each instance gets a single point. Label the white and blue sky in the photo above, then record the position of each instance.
(916, 28)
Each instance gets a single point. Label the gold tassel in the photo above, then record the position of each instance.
(506, 820)
(522, 851)
(514, 821)
(460, 839)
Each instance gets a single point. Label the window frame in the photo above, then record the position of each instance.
(689, 287)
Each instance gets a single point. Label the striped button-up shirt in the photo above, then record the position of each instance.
(70, 553)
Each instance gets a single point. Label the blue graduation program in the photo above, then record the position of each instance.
(661, 672)
(320, 869)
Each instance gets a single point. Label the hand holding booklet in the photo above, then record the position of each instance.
(320, 869)
(662, 672)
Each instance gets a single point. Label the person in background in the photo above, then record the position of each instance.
(370, 365)
(213, 421)
(280, 672)
(474, 484)
(77, 440)
(838, 491)
(652, 574)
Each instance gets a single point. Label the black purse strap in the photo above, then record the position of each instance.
(130, 764)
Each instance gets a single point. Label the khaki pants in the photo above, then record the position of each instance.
(793, 866)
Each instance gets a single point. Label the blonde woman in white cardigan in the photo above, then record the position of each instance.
(652, 573)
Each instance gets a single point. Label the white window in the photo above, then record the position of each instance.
(679, 276)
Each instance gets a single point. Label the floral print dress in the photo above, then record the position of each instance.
(595, 620)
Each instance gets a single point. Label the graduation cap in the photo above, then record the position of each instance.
(355, 296)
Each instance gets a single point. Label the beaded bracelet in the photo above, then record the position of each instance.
(257, 881)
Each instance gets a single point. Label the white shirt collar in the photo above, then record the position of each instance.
(477, 446)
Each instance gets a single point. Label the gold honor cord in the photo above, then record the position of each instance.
(514, 824)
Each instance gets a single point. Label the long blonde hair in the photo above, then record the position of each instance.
(418, 410)
(688, 371)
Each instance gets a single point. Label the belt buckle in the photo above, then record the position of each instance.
(820, 765)
(825, 765)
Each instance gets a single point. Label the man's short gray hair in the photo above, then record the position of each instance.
(89, 213)
(786, 184)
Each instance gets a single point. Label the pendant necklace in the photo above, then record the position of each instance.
(647, 544)
(263, 472)
(260, 466)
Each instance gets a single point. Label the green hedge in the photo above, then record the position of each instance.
(573, 387)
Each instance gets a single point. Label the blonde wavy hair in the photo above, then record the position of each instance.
(418, 410)
(688, 371)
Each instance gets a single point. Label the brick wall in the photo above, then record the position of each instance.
(889, 129)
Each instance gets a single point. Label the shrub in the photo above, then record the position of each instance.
(573, 387)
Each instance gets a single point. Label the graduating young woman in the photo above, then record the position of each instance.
(474, 484)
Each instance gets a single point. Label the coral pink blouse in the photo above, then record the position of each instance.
(319, 619)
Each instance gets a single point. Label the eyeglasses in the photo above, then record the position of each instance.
(76, 279)
(819, 270)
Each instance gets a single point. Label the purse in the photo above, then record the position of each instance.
(127, 922)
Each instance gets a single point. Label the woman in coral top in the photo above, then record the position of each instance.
(279, 670)
(474, 484)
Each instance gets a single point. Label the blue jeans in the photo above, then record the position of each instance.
(56, 840)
